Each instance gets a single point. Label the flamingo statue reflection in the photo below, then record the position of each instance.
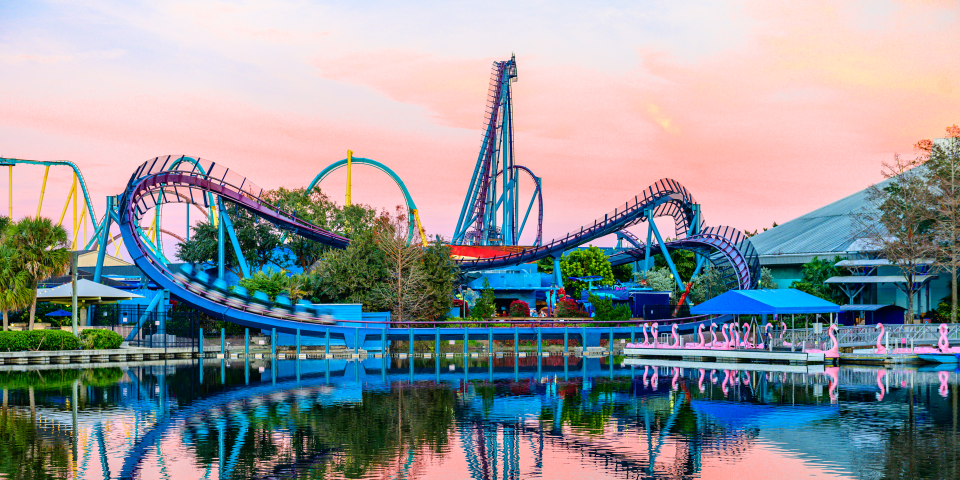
(944, 386)
(700, 383)
(834, 374)
(883, 389)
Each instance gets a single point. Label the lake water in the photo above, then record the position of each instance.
(551, 418)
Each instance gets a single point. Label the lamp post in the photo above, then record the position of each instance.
(73, 283)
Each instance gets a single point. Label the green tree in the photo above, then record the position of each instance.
(943, 164)
(545, 265)
(766, 278)
(623, 272)
(813, 275)
(273, 283)
(15, 291)
(441, 279)
(349, 275)
(902, 226)
(259, 241)
(590, 261)
(486, 305)
(41, 251)
(708, 284)
(661, 280)
(684, 260)
(405, 288)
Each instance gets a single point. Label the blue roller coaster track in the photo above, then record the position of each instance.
(168, 179)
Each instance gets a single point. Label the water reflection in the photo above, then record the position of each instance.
(551, 417)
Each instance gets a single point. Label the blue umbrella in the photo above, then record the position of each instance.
(59, 313)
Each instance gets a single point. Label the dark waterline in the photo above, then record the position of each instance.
(551, 417)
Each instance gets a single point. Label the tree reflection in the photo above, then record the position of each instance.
(310, 440)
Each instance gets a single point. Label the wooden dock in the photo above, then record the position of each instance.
(750, 367)
(745, 356)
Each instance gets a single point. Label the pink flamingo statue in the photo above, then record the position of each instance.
(944, 386)
(944, 343)
(746, 337)
(767, 336)
(700, 334)
(676, 338)
(726, 340)
(834, 351)
(654, 332)
(883, 389)
(880, 348)
(713, 331)
(646, 343)
(783, 331)
(700, 383)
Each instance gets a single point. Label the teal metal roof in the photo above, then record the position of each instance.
(764, 302)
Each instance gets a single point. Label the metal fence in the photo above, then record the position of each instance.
(157, 329)
(896, 336)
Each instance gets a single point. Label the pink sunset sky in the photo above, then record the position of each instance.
(764, 110)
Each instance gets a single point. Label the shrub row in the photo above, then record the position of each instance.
(38, 340)
(35, 340)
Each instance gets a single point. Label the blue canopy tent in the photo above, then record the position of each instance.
(764, 302)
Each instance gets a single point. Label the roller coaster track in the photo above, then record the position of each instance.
(666, 197)
(10, 162)
(172, 180)
(728, 250)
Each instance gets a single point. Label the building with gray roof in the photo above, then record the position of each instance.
(833, 231)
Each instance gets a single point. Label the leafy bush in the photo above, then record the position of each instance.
(569, 308)
(519, 308)
(38, 340)
(605, 310)
(100, 339)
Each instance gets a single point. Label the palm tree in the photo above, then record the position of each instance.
(41, 252)
(15, 292)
